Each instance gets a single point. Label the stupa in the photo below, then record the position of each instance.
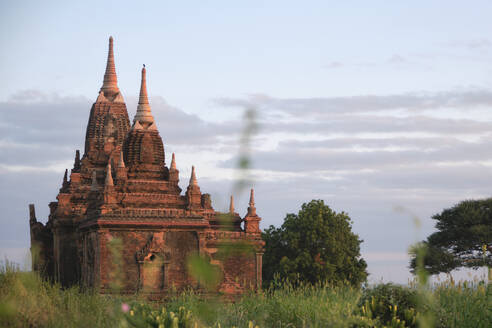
(121, 217)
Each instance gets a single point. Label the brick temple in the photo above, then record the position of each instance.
(122, 190)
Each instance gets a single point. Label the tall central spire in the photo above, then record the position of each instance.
(110, 83)
(143, 115)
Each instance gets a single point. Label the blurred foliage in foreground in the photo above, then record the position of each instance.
(28, 301)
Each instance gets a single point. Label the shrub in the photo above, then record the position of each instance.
(142, 315)
(392, 305)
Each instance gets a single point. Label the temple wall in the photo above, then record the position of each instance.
(182, 245)
(241, 269)
(90, 259)
(140, 260)
(65, 256)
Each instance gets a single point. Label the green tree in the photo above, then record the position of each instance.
(463, 239)
(315, 245)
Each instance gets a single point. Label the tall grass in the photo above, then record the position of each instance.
(28, 301)
(287, 306)
(466, 304)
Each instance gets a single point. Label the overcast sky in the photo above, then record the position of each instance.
(382, 109)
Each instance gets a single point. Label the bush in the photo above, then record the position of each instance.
(142, 315)
(390, 304)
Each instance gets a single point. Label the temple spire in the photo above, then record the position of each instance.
(231, 205)
(64, 187)
(173, 163)
(193, 181)
(252, 208)
(143, 115)
(252, 198)
(110, 83)
(173, 172)
(77, 164)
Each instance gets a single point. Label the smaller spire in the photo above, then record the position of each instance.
(121, 162)
(193, 181)
(231, 205)
(109, 177)
(94, 181)
(64, 187)
(32, 214)
(252, 208)
(76, 164)
(252, 198)
(173, 172)
(143, 115)
(173, 163)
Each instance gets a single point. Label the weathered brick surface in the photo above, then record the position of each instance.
(121, 219)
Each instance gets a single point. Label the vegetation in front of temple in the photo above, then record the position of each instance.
(28, 301)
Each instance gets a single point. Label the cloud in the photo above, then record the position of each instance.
(366, 154)
(180, 128)
(474, 44)
(318, 156)
(396, 59)
(334, 64)
(39, 130)
(375, 124)
(305, 108)
(33, 118)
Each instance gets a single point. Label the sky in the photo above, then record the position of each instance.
(382, 109)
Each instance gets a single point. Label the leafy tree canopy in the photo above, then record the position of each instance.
(463, 239)
(315, 245)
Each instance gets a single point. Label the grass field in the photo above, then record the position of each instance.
(28, 301)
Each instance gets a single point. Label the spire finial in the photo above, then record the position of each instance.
(143, 115)
(193, 181)
(109, 176)
(143, 88)
(173, 163)
(121, 162)
(231, 205)
(110, 83)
